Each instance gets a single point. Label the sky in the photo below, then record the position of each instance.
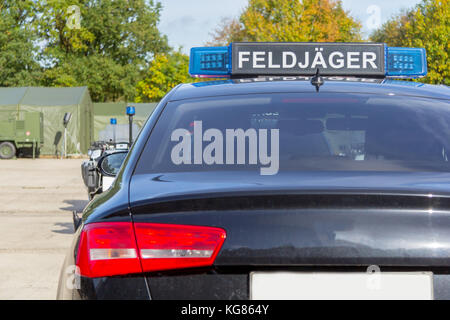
(188, 23)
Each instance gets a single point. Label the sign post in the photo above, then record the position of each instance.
(113, 122)
(130, 112)
(66, 120)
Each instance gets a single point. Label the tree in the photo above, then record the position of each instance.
(426, 26)
(18, 66)
(165, 72)
(108, 49)
(287, 20)
(229, 30)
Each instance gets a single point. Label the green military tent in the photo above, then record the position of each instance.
(103, 112)
(54, 103)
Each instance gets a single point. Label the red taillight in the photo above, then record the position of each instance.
(108, 249)
(168, 246)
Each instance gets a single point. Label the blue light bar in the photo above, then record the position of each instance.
(113, 121)
(406, 62)
(210, 62)
(131, 111)
(304, 58)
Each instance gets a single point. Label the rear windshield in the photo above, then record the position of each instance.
(271, 133)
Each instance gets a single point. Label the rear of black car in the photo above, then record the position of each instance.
(228, 190)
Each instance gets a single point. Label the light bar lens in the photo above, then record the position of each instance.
(406, 62)
(210, 62)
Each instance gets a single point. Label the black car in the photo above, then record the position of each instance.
(262, 188)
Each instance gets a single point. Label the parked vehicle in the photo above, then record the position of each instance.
(24, 135)
(261, 187)
(94, 177)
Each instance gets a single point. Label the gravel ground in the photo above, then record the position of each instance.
(36, 202)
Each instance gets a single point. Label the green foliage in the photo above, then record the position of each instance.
(18, 66)
(115, 43)
(119, 53)
(108, 49)
(165, 72)
(425, 26)
(287, 20)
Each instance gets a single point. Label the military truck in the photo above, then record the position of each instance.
(21, 133)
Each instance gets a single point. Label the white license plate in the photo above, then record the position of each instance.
(341, 286)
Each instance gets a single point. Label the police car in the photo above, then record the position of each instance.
(308, 172)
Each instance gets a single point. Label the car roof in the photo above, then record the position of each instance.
(287, 85)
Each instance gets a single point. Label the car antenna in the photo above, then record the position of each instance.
(317, 80)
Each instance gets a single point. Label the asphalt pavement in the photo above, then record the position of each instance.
(36, 202)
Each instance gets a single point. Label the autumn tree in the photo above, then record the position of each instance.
(426, 26)
(165, 72)
(287, 20)
(229, 30)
